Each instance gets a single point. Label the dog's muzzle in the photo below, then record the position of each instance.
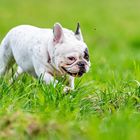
(82, 69)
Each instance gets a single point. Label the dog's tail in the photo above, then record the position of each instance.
(6, 56)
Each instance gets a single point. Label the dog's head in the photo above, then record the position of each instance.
(70, 53)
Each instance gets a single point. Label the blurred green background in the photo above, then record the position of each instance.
(111, 29)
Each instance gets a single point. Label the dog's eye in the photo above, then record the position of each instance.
(71, 58)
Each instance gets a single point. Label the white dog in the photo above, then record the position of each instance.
(45, 52)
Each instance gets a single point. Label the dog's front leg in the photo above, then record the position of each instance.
(70, 84)
(48, 78)
(41, 70)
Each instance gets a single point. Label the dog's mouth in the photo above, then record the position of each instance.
(78, 74)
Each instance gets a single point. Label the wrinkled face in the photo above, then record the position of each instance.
(74, 62)
(71, 56)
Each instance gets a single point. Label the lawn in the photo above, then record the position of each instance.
(106, 102)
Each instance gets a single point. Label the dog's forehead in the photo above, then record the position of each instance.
(71, 38)
(71, 44)
(75, 47)
(69, 35)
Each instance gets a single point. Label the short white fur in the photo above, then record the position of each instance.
(39, 51)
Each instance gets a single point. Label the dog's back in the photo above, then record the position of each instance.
(18, 43)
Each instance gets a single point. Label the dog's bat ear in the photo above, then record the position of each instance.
(78, 33)
(58, 33)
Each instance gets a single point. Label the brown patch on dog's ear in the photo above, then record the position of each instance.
(78, 33)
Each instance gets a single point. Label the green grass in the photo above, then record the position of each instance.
(106, 102)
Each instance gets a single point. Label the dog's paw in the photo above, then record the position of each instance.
(11, 81)
(67, 89)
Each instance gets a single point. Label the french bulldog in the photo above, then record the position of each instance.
(48, 52)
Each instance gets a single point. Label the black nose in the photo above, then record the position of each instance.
(81, 64)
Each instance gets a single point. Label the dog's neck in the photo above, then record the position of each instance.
(50, 53)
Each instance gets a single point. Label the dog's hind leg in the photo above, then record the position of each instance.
(6, 57)
(18, 72)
